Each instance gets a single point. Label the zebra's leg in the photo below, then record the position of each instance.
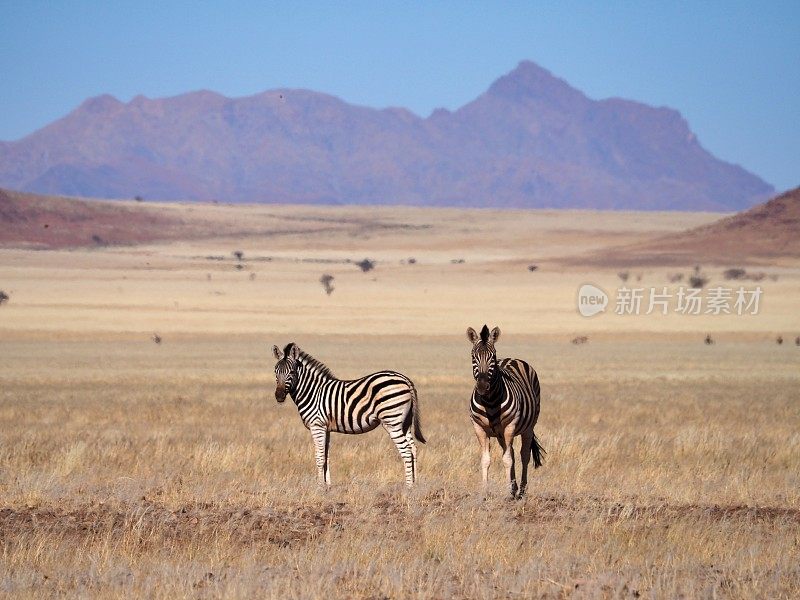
(525, 457)
(320, 435)
(410, 438)
(486, 458)
(327, 458)
(412, 444)
(506, 440)
(406, 450)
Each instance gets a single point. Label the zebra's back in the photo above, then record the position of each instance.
(521, 378)
(360, 405)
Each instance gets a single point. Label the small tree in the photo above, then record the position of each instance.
(3, 297)
(327, 283)
(138, 198)
(366, 265)
(238, 254)
(697, 280)
(532, 268)
(623, 275)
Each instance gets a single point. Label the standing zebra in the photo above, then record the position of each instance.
(505, 403)
(329, 404)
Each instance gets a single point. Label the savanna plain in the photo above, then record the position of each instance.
(135, 468)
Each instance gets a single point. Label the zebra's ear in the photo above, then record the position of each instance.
(472, 335)
(495, 334)
(277, 352)
(295, 351)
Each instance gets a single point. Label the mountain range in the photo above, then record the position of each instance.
(531, 140)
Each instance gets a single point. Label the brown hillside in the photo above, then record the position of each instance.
(54, 222)
(764, 233)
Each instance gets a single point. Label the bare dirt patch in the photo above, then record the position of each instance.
(240, 524)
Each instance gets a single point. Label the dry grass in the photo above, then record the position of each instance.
(134, 469)
(178, 475)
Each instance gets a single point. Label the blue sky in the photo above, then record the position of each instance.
(731, 68)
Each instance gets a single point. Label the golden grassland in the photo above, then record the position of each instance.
(134, 469)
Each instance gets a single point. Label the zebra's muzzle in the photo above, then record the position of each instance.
(482, 385)
(280, 394)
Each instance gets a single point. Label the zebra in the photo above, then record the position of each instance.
(327, 404)
(504, 404)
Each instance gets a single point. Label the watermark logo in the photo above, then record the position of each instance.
(719, 300)
(591, 300)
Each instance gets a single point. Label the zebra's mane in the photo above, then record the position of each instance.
(314, 365)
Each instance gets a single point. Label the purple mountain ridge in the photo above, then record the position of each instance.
(531, 140)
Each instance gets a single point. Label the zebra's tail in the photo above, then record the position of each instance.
(536, 452)
(417, 418)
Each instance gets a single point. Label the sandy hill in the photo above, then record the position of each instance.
(764, 233)
(530, 141)
(55, 222)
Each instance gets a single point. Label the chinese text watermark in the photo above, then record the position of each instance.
(718, 300)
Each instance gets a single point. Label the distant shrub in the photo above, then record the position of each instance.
(138, 198)
(779, 340)
(98, 241)
(3, 297)
(697, 280)
(458, 261)
(623, 275)
(366, 265)
(708, 341)
(238, 254)
(581, 339)
(327, 283)
(532, 268)
(734, 274)
(412, 261)
(239, 267)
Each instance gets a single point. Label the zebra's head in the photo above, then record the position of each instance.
(484, 357)
(285, 370)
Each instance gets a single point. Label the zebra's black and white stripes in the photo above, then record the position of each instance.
(504, 404)
(327, 404)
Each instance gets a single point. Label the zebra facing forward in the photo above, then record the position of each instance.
(505, 404)
(327, 404)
